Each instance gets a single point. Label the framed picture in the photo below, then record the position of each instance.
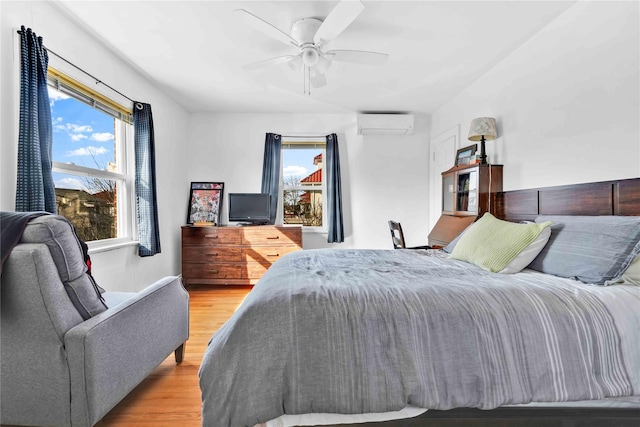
(205, 202)
(463, 155)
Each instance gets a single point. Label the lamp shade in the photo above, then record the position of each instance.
(483, 126)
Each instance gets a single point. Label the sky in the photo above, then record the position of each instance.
(298, 162)
(82, 135)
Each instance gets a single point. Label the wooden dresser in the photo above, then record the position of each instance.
(234, 255)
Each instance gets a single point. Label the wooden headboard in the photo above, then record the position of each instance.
(621, 197)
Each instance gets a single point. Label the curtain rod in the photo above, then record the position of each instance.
(98, 81)
(303, 136)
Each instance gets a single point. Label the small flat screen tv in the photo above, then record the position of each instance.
(250, 208)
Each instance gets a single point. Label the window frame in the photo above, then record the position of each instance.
(310, 144)
(124, 152)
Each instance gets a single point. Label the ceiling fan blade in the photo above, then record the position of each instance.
(317, 79)
(296, 62)
(265, 27)
(268, 62)
(340, 18)
(358, 56)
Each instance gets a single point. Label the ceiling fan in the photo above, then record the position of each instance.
(309, 35)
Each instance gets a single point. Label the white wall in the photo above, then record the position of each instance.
(566, 102)
(383, 177)
(118, 269)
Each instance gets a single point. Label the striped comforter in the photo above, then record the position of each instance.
(356, 331)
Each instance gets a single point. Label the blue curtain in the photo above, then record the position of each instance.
(271, 171)
(35, 190)
(145, 181)
(334, 191)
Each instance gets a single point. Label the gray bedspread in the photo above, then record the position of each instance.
(355, 331)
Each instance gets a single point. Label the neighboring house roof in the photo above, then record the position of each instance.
(305, 198)
(316, 176)
(317, 159)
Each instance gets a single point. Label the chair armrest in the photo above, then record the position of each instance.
(111, 353)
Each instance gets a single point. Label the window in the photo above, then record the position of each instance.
(91, 166)
(303, 194)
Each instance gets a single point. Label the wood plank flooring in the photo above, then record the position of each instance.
(170, 395)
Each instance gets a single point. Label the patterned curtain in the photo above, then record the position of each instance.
(35, 190)
(271, 171)
(145, 181)
(334, 191)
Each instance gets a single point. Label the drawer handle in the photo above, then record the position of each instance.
(273, 254)
(214, 272)
(273, 238)
(212, 237)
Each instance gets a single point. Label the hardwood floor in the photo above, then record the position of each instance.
(170, 395)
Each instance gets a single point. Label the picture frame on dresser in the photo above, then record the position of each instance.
(205, 203)
(463, 155)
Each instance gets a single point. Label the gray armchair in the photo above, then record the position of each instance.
(68, 353)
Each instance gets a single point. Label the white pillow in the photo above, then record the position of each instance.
(529, 253)
(632, 275)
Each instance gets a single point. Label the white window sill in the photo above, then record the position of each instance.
(109, 245)
(310, 230)
(314, 230)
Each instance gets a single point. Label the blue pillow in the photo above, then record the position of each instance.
(591, 249)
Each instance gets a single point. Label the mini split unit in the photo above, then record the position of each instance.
(385, 124)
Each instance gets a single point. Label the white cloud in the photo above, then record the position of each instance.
(103, 136)
(79, 128)
(70, 184)
(71, 128)
(54, 95)
(86, 151)
(58, 125)
(294, 171)
(77, 137)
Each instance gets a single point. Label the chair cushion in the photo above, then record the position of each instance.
(58, 234)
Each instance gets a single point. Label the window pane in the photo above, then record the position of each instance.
(303, 207)
(89, 203)
(82, 135)
(302, 166)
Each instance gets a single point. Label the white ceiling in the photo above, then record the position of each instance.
(195, 50)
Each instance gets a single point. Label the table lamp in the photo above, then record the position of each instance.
(483, 129)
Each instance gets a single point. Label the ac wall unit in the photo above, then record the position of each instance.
(385, 124)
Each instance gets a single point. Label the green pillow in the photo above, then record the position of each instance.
(632, 275)
(491, 243)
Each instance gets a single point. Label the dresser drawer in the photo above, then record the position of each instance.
(211, 271)
(272, 236)
(270, 254)
(209, 236)
(255, 270)
(211, 254)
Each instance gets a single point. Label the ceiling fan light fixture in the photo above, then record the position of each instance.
(310, 56)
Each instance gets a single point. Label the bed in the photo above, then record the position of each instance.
(388, 334)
